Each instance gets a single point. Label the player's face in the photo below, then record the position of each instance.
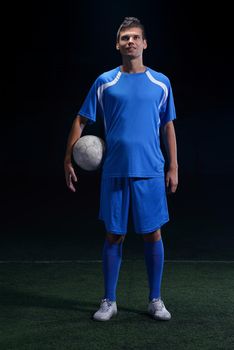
(131, 42)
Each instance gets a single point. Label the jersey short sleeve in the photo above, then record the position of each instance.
(167, 110)
(90, 106)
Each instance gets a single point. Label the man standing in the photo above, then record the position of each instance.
(136, 104)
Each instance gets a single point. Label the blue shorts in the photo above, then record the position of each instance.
(148, 204)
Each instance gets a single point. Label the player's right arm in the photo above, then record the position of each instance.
(75, 133)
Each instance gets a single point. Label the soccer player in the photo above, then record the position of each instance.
(136, 104)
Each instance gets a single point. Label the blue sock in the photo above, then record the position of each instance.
(154, 258)
(112, 257)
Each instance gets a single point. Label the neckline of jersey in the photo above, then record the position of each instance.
(133, 74)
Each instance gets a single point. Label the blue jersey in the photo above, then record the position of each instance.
(133, 107)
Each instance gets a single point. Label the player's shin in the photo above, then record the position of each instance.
(112, 257)
(154, 258)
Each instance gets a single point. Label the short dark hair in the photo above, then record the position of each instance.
(130, 22)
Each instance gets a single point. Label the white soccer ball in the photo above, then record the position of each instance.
(88, 152)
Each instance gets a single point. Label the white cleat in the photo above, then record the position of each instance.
(158, 310)
(106, 311)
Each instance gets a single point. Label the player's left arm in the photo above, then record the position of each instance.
(169, 138)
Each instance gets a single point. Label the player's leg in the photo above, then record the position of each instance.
(114, 205)
(150, 213)
(111, 257)
(154, 259)
(153, 236)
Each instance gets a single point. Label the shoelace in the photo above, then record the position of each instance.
(105, 305)
(159, 302)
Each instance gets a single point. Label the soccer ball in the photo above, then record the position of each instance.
(88, 152)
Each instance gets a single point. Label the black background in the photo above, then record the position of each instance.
(53, 52)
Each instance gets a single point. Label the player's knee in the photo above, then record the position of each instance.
(153, 236)
(114, 239)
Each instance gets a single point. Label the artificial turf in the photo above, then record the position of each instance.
(50, 305)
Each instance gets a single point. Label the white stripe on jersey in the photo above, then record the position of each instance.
(102, 88)
(163, 86)
(106, 85)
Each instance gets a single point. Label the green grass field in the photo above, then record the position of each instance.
(50, 305)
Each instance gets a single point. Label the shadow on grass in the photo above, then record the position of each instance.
(12, 297)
